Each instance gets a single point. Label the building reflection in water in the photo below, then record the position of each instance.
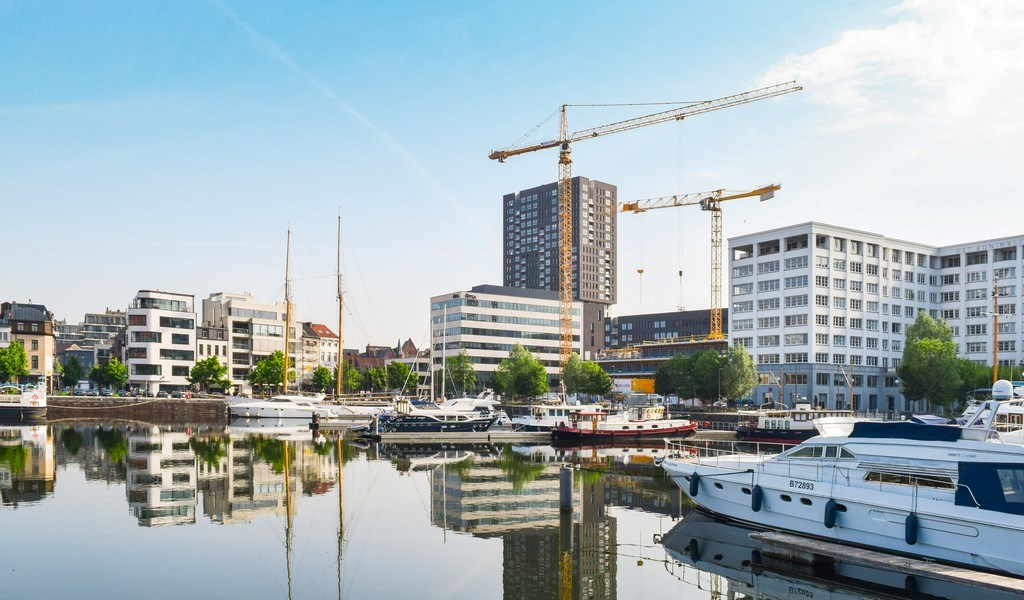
(27, 464)
(514, 495)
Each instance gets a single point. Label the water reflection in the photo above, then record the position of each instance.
(27, 465)
(721, 558)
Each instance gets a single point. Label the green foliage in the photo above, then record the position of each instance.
(461, 372)
(375, 379)
(72, 372)
(114, 443)
(209, 450)
(351, 380)
(272, 452)
(739, 373)
(14, 457)
(400, 376)
(925, 327)
(269, 372)
(692, 376)
(572, 374)
(209, 373)
(973, 376)
(323, 379)
(13, 362)
(930, 369)
(585, 377)
(521, 375)
(517, 468)
(117, 373)
(72, 440)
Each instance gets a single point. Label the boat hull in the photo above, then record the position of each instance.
(617, 432)
(428, 424)
(773, 436)
(868, 518)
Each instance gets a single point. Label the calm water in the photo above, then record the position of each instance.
(110, 510)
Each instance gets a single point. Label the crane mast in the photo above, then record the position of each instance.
(563, 143)
(711, 202)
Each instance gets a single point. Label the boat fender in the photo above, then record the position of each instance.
(830, 513)
(755, 558)
(707, 424)
(910, 585)
(694, 485)
(694, 550)
(910, 529)
(756, 498)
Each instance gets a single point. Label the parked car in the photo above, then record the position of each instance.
(163, 394)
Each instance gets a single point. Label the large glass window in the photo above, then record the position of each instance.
(177, 323)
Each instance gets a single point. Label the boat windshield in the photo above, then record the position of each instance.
(992, 486)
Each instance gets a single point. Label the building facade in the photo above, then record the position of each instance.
(160, 341)
(255, 331)
(530, 246)
(32, 326)
(824, 309)
(319, 348)
(488, 320)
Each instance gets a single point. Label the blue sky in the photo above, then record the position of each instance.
(169, 145)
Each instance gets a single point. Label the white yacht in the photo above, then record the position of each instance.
(284, 406)
(942, 492)
(22, 402)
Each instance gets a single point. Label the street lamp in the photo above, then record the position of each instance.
(719, 383)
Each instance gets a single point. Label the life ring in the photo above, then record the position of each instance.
(35, 396)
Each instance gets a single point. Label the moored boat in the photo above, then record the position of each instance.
(940, 492)
(784, 425)
(545, 417)
(632, 423)
(22, 402)
(285, 406)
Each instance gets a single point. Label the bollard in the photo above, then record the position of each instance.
(565, 488)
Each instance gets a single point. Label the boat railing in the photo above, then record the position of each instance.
(712, 452)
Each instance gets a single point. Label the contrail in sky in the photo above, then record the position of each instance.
(275, 51)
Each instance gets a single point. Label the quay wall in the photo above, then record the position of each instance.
(212, 411)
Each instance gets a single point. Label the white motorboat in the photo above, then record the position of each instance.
(941, 492)
(284, 406)
(22, 402)
(545, 417)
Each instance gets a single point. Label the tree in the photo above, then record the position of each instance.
(323, 379)
(117, 374)
(673, 377)
(351, 379)
(930, 369)
(13, 362)
(269, 371)
(521, 375)
(98, 375)
(461, 372)
(375, 379)
(572, 374)
(73, 372)
(400, 376)
(595, 380)
(739, 373)
(209, 373)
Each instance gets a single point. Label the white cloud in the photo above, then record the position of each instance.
(952, 65)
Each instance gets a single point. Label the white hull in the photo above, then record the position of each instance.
(280, 407)
(872, 518)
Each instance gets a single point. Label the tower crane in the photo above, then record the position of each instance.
(565, 139)
(711, 202)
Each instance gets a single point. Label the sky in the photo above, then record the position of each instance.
(170, 146)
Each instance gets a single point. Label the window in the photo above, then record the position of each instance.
(856, 267)
(795, 301)
(146, 337)
(794, 320)
(839, 321)
(746, 342)
(839, 359)
(839, 284)
(872, 306)
(839, 265)
(768, 359)
(855, 286)
(820, 300)
(821, 339)
(855, 341)
(821, 320)
(872, 269)
(767, 322)
(177, 323)
(770, 285)
(796, 339)
(821, 358)
(768, 267)
(821, 281)
(768, 340)
(838, 302)
(768, 304)
(976, 347)
(872, 343)
(950, 313)
(179, 338)
(742, 289)
(977, 329)
(949, 297)
(796, 282)
(743, 271)
(742, 307)
(871, 325)
(821, 261)
(856, 323)
(839, 340)
(856, 303)
(1005, 273)
(796, 262)
(872, 288)
(1007, 346)
(742, 324)
(796, 357)
(137, 320)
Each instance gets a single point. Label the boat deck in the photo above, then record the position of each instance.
(793, 546)
(466, 436)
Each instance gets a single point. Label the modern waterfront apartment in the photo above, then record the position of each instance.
(824, 309)
(530, 256)
(160, 341)
(488, 320)
(255, 330)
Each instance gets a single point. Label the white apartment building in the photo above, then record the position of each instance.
(488, 320)
(319, 348)
(254, 329)
(823, 309)
(160, 341)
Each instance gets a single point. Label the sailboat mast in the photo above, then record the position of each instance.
(287, 307)
(444, 347)
(338, 383)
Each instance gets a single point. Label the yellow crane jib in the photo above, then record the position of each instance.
(565, 139)
(707, 201)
